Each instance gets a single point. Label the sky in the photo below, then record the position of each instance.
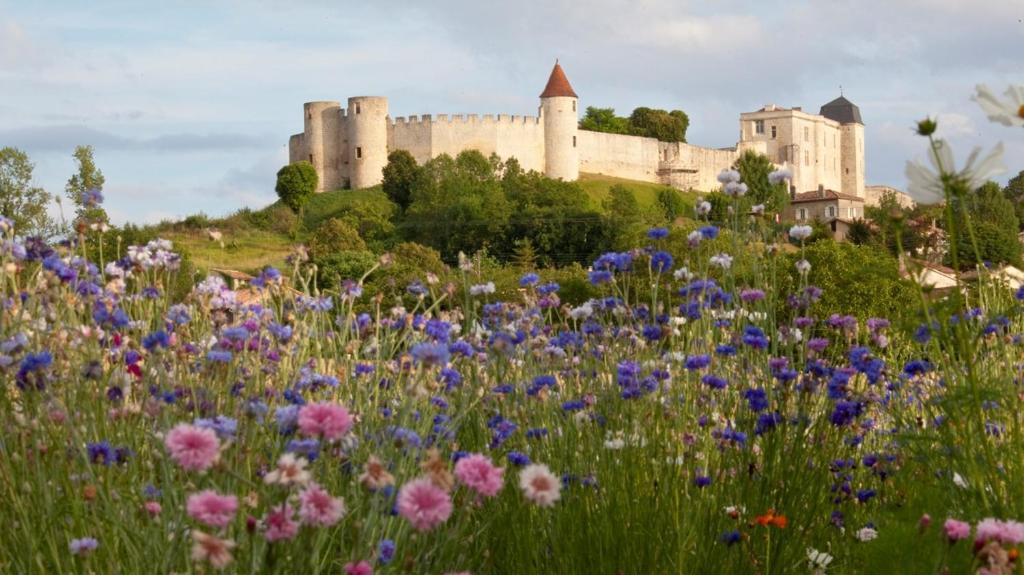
(189, 105)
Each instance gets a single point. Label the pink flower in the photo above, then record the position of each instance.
(153, 508)
(210, 548)
(211, 508)
(1009, 532)
(317, 507)
(956, 530)
(424, 504)
(280, 523)
(478, 473)
(330, 420)
(361, 568)
(539, 485)
(193, 448)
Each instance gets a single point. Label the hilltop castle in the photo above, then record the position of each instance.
(349, 146)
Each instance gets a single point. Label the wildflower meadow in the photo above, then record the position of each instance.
(690, 419)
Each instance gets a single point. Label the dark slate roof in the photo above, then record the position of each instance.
(842, 111)
(558, 85)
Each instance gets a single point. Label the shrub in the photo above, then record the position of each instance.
(399, 175)
(339, 266)
(296, 183)
(332, 237)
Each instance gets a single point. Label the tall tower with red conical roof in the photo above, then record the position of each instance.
(561, 123)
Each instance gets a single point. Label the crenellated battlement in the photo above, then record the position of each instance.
(469, 119)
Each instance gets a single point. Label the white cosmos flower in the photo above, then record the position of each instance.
(1009, 112)
(925, 183)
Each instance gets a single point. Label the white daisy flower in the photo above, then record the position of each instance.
(926, 184)
(1008, 112)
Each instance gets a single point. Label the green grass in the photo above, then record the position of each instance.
(322, 207)
(248, 250)
(597, 185)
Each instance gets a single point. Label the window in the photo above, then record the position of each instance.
(801, 214)
(807, 134)
(574, 143)
(574, 105)
(357, 107)
(853, 213)
(830, 211)
(807, 157)
(309, 114)
(311, 158)
(847, 170)
(359, 153)
(773, 132)
(758, 126)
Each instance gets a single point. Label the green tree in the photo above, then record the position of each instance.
(334, 236)
(995, 226)
(1014, 191)
(604, 120)
(296, 183)
(894, 225)
(88, 178)
(524, 256)
(754, 169)
(399, 175)
(663, 125)
(860, 233)
(21, 202)
(672, 204)
(457, 205)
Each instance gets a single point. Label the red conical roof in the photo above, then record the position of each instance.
(558, 85)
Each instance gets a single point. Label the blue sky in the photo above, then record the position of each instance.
(190, 104)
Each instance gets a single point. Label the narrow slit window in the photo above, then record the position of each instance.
(311, 158)
(574, 142)
(357, 108)
(359, 153)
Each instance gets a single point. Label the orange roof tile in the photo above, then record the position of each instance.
(558, 85)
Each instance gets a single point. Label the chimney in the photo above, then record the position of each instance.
(821, 190)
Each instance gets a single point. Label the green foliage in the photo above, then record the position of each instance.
(754, 169)
(555, 216)
(672, 204)
(623, 217)
(87, 178)
(647, 122)
(399, 176)
(19, 200)
(296, 183)
(604, 120)
(994, 224)
(660, 124)
(332, 237)
(860, 233)
(458, 205)
(409, 262)
(856, 280)
(893, 224)
(1014, 191)
(336, 267)
(275, 218)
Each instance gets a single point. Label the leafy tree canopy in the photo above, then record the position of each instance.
(20, 201)
(296, 183)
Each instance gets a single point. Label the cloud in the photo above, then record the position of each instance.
(63, 138)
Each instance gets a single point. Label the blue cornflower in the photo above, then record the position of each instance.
(518, 459)
(698, 361)
(714, 382)
(219, 356)
(385, 551)
(101, 452)
(528, 279)
(708, 232)
(657, 233)
(702, 481)
(431, 354)
(731, 537)
(661, 261)
(158, 338)
(756, 398)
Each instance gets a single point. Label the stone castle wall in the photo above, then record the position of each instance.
(426, 137)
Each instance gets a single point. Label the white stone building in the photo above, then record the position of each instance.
(349, 146)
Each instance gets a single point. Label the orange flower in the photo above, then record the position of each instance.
(771, 518)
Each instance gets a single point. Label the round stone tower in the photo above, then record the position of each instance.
(322, 137)
(367, 126)
(558, 110)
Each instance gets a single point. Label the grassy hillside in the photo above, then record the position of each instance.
(254, 239)
(597, 185)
